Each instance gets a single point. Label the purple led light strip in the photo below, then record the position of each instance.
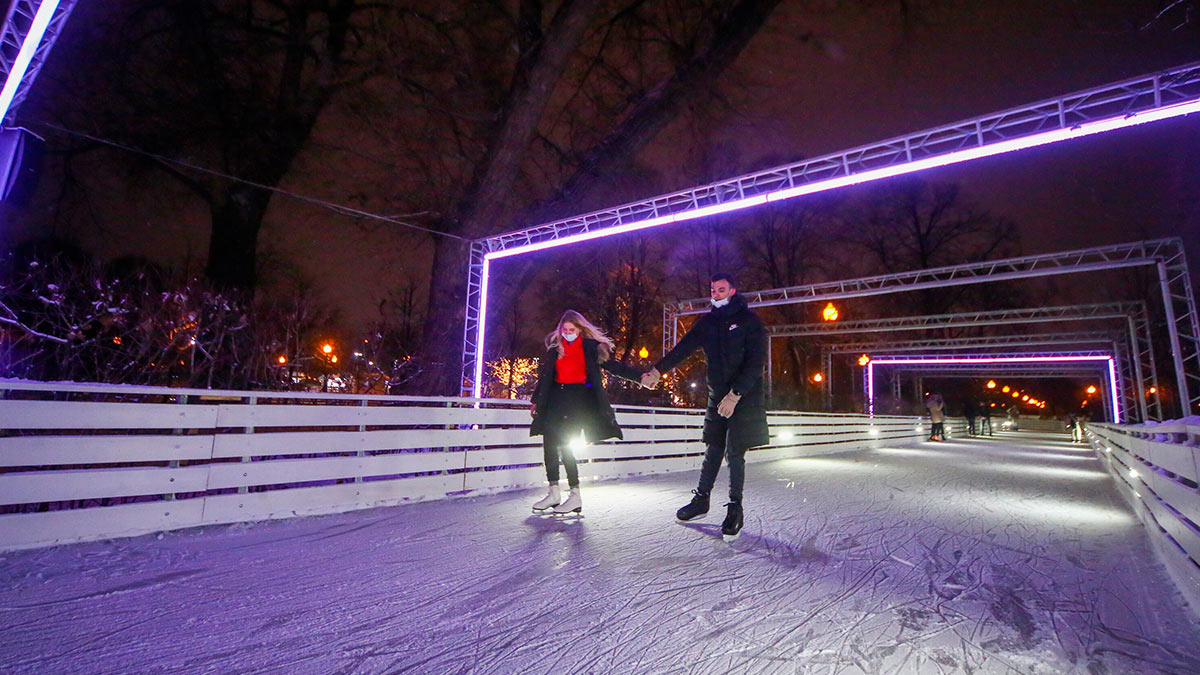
(33, 38)
(885, 360)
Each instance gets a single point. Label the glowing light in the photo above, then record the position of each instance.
(1153, 390)
(864, 360)
(873, 431)
(786, 435)
(1091, 389)
(1133, 473)
(282, 360)
(643, 353)
(333, 359)
(1006, 389)
(578, 444)
(993, 405)
(1024, 398)
(991, 384)
(327, 348)
(117, 340)
(37, 28)
(1112, 379)
(830, 313)
(817, 377)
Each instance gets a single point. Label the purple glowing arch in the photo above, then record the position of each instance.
(994, 360)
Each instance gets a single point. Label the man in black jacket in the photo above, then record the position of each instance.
(735, 349)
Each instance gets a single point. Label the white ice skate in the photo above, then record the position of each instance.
(553, 498)
(573, 503)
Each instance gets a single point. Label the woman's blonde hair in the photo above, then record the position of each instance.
(586, 329)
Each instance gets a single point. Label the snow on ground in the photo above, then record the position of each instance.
(1006, 555)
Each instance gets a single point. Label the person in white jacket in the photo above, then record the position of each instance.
(937, 416)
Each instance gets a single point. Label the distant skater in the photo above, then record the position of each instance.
(937, 416)
(735, 348)
(570, 405)
(985, 418)
(970, 411)
(1014, 417)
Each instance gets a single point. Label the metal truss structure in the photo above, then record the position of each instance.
(1166, 255)
(26, 38)
(1157, 96)
(1138, 366)
(1140, 398)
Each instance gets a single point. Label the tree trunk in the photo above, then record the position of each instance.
(441, 343)
(236, 219)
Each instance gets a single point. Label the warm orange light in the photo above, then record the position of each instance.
(817, 377)
(333, 359)
(1016, 394)
(993, 405)
(117, 340)
(282, 360)
(864, 360)
(1091, 389)
(327, 348)
(1006, 389)
(1025, 397)
(830, 313)
(1153, 390)
(644, 353)
(991, 384)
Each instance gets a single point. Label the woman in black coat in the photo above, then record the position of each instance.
(570, 408)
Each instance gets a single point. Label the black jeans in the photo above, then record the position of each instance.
(938, 432)
(566, 417)
(712, 465)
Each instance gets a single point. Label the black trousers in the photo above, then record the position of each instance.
(736, 459)
(939, 431)
(985, 422)
(971, 425)
(566, 418)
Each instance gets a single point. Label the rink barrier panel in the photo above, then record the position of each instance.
(82, 462)
(1156, 468)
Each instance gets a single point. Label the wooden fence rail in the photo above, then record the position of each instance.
(81, 462)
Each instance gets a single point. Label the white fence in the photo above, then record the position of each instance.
(1157, 468)
(81, 462)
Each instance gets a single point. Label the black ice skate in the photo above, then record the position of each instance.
(697, 507)
(732, 527)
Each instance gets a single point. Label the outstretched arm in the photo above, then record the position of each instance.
(622, 371)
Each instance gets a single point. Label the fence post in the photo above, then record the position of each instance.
(244, 489)
(361, 453)
(182, 399)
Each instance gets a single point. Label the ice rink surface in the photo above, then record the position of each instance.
(1006, 555)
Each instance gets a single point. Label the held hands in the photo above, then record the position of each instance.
(727, 404)
(650, 379)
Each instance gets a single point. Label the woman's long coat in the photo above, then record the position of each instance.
(602, 422)
(735, 348)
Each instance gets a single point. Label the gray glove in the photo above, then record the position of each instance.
(650, 379)
(727, 404)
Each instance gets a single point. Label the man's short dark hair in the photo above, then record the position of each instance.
(723, 276)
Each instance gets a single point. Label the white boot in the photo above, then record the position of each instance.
(552, 498)
(572, 503)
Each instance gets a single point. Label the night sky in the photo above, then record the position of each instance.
(812, 82)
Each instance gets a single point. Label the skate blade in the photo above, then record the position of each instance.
(730, 538)
(548, 509)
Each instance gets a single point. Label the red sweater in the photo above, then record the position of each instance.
(570, 368)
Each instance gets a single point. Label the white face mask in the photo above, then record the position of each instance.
(720, 303)
(571, 337)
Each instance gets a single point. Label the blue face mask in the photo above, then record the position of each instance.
(720, 303)
(570, 338)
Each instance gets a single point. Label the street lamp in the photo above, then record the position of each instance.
(327, 348)
(1091, 389)
(864, 360)
(817, 377)
(830, 313)
(991, 384)
(1006, 389)
(643, 353)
